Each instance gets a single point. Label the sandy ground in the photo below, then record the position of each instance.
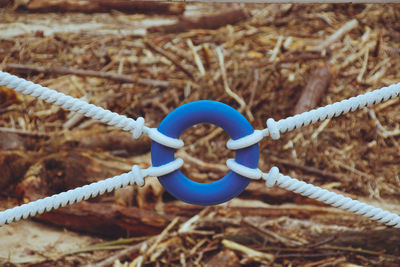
(30, 242)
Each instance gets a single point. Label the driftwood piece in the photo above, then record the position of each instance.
(307, 169)
(215, 21)
(315, 89)
(106, 219)
(104, 75)
(275, 195)
(127, 6)
(185, 210)
(120, 143)
(379, 240)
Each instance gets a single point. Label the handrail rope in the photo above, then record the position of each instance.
(135, 176)
(274, 129)
(137, 127)
(274, 177)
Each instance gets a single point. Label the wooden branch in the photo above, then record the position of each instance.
(79, 72)
(259, 191)
(315, 89)
(294, 56)
(347, 27)
(307, 169)
(215, 21)
(112, 141)
(170, 57)
(126, 6)
(249, 252)
(377, 240)
(299, 211)
(24, 132)
(123, 254)
(107, 219)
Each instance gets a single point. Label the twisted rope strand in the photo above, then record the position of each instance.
(137, 127)
(274, 129)
(71, 103)
(135, 176)
(338, 201)
(274, 177)
(335, 110)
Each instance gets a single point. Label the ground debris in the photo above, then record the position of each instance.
(259, 59)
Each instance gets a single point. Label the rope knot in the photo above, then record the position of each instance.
(272, 177)
(139, 127)
(137, 175)
(273, 129)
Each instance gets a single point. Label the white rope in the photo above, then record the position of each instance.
(135, 176)
(336, 200)
(137, 127)
(274, 129)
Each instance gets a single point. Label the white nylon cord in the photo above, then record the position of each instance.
(137, 127)
(336, 200)
(135, 176)
(274, 129)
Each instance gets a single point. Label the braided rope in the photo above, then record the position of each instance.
(71, 103)
(338, 108)
(137, 127)
(337, 200)
(274, 129)
(135, 176)
(274, 177)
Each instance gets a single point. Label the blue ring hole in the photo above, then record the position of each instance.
(222, 115)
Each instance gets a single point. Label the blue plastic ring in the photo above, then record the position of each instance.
(176, 123)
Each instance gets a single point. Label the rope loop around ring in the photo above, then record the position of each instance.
(163, 139)
(251, 139)
(272, 177)
(243, 170)
(247, 140)
(138, 176)
(273, 129)
(139, 128)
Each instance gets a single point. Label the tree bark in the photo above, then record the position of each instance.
(205, 22)
(315, 89)
(107, 219)
(92, 6)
